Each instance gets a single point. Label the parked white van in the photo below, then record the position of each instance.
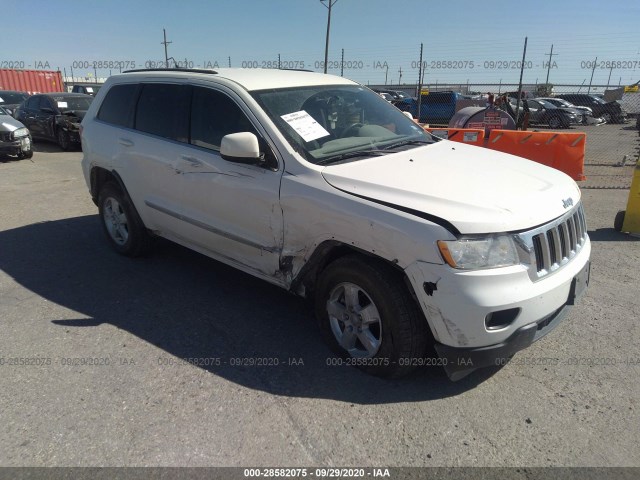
(406, 243)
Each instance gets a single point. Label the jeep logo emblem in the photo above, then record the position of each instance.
(567, 202)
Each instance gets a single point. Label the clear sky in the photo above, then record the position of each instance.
(463, 40)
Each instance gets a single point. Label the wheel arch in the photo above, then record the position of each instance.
(99, 176)
(327, 252)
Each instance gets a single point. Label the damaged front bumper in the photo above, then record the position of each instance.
(459, 308)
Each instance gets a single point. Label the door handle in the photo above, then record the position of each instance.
(126, 142)
(193, 161)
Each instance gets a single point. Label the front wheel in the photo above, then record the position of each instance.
(368, 317)
(63, 140)
(555, 122)
(121, 223)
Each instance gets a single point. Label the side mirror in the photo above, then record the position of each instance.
(241, 147)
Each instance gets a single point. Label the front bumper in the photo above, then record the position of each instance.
(459, 362)
(15, 147)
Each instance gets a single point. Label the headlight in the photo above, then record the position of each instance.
(20, 132)
(479, 253)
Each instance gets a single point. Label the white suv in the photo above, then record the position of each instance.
(316, 184)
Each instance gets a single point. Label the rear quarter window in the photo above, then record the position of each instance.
(117, 106)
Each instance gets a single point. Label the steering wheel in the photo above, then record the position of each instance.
(350, 127)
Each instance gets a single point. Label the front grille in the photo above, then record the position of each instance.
(554, 245)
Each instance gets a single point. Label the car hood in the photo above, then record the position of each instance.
(473, 189)
(573, 111)
(9, 124)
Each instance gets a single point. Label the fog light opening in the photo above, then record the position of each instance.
(501, 319)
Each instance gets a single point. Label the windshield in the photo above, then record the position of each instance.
(546, 104)
(327, 123)
(564, 103)
(65, 103)
(12, 98)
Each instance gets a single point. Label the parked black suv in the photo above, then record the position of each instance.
(611, 112)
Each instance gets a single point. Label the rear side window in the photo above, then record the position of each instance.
(117, 106)
(213, 116)
(163, 110)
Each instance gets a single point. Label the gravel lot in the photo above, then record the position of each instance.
(571, 399)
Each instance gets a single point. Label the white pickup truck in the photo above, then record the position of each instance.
(415, 250)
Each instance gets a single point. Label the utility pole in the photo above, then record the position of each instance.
(420, 84)
(279, 62)
(330, 3)
(549, 65)
(165, 43)
(610, 70)
(229, 62)
(524, 55)
(386, 74)
(400, 77)
(342, 64)
(595, 62)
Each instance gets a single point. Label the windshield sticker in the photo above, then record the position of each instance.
(62, 105)
(1, 100)
(305, 125)
(89, 89)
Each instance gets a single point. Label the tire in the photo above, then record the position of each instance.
(555, 122)
(393, 330)
(121, 223)
(63, 140)
(619, 221)
(606, 117)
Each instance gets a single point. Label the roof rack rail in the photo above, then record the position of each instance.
(191, 70)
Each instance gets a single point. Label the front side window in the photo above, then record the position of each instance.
(332, 123)
(163, 110)
(214, 115)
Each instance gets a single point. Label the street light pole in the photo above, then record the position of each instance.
(330, 3)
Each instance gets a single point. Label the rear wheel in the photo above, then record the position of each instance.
(606, 117)
(368, 317)
(121, 223)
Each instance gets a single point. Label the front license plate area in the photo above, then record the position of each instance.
(579, 284)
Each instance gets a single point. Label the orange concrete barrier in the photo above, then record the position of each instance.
(470, 136)
(563, 151)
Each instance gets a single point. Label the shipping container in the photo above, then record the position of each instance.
(31, 81)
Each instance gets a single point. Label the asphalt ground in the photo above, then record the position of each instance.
(91, 342)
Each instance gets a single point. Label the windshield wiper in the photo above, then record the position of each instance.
(345, 156)
(409, 142)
